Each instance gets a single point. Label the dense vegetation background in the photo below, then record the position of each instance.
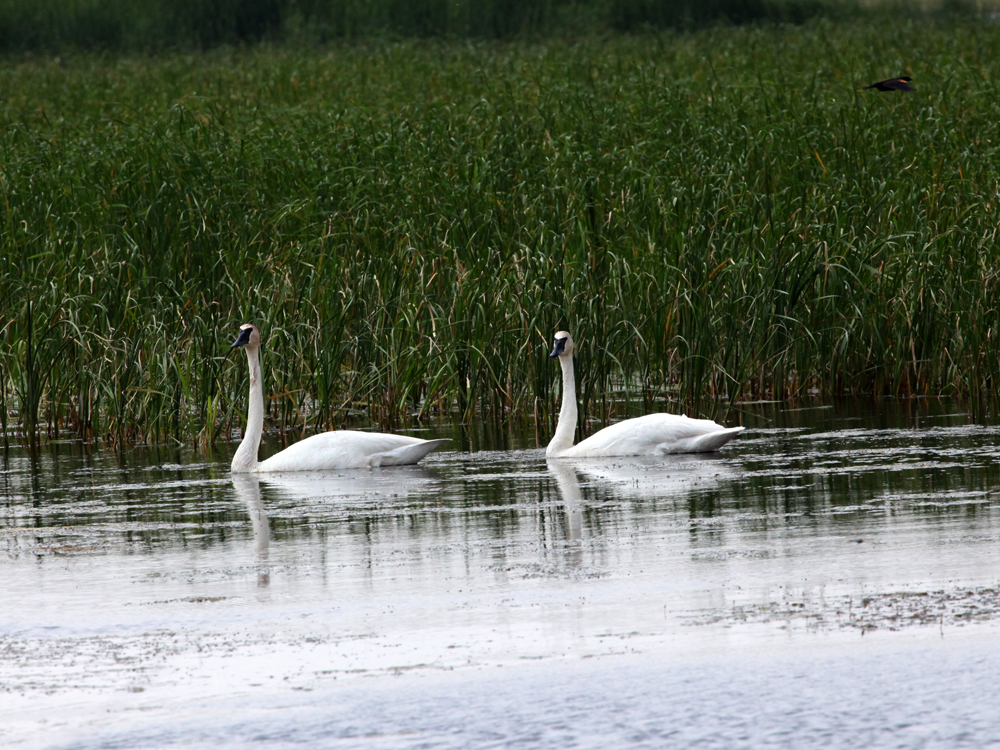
(716, 214)
(151, 25)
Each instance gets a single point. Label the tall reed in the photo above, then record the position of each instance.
(715, 216)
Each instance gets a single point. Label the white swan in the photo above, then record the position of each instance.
(652, 435)
(344, 449)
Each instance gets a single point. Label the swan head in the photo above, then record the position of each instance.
(563, 345)
(249, 337)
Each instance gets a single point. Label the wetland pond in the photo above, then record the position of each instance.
(829, 580)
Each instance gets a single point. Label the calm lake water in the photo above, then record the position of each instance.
(831, 579)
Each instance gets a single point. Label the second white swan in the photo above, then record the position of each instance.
(651, 435)
(327, 451)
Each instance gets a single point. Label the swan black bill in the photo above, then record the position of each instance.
(559, 348)
(244, 338)
(893, 84)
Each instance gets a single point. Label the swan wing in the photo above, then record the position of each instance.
(655, 435)
(407, 454)
(349, 449)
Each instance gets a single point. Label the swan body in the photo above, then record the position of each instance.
(343, 449)
(651, 435)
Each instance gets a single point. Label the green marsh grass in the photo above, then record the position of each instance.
(716, 216)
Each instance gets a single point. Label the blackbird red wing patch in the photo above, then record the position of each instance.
(902, 83)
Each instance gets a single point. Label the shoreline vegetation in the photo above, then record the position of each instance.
(718, 211)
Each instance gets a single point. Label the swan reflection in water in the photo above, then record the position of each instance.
(634, 478)
(351, 484)
(292, 493)
(248, 490)
(336, 495)
(647, 477)
(572, 498)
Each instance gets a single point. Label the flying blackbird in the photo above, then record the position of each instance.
(893, 84)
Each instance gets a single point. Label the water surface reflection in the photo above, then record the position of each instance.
(247, 488)
(149, 582)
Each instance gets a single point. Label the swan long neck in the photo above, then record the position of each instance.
(566, 427)
(246, 455)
